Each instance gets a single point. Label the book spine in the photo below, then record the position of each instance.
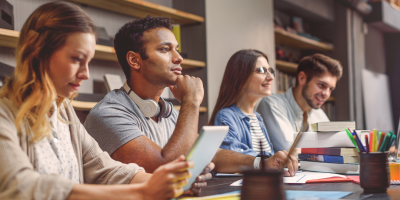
(321, 151)
(321, 158)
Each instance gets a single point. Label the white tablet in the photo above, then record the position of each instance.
(204, 149)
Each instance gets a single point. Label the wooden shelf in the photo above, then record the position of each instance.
(86, 106)
(9, 38)
(293, 40)
(202, 109)
(140, 8)
(187, 63)
(287, 67)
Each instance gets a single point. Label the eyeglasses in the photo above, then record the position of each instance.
(265, 71)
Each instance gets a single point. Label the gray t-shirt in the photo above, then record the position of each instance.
(116, 120)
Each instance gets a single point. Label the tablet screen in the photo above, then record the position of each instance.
(204, 149)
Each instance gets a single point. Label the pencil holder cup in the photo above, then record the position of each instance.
(374, 172)
(262, 185)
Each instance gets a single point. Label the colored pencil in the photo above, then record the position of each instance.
(374, 141)
(385, 142)
(366, 143)
(359, 141)
(358, 144)
(371, 134)
(391, 142)
(351, 138)
(381, 141)
(292, 148)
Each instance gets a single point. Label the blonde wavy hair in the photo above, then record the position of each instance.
(30, 87)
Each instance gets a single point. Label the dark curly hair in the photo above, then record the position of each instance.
(130, 38)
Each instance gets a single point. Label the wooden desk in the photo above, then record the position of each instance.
(219, 185)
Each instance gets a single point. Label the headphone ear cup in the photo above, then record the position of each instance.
(149, 108)
(166, 108)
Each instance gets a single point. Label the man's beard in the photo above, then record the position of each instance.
(308, 100)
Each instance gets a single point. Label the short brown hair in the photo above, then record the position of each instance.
(317, 64)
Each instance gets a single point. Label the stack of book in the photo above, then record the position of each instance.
(331, 159)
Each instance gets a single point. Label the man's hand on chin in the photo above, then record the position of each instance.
(201, 180)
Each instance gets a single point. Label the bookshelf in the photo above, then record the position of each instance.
(286, 71)
(293, 40)
(140, 9)
(86, 106)
(9, 38)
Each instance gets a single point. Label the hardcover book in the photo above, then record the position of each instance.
(329, 159)
(333, 126)
(330, 151)
(330, 167)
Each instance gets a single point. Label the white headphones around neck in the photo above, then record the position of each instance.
(149, 107)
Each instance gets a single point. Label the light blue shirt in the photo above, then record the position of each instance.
(239, 136)
(280, 113)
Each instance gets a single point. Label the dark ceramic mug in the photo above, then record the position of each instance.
(374, 172)
(263, 185)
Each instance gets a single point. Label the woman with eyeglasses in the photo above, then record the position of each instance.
(247, 78)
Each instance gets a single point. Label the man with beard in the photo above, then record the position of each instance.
(123, 123)
(316, 78)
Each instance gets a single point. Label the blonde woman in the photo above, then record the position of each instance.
(45, 152)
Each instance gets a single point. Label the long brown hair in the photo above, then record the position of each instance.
(30, 87)
(237, 72)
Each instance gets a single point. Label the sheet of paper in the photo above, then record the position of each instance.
(299, 178)
(290, 194)
(237, 183)
(300, 194)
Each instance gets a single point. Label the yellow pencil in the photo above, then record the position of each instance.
(375, 143)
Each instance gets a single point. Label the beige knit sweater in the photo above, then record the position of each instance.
(19, 179)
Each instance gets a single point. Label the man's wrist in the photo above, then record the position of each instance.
(190, 104)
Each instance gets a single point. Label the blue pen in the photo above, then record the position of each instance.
(359, 141)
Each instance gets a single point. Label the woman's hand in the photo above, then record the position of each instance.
(168, 179)
(280, 157)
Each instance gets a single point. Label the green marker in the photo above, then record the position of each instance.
(391, 140)
(385, 142)
(351, 138)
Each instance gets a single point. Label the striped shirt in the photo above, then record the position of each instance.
(257, 135)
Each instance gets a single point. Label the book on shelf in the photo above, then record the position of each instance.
(329, 158)
(353, 168)
(284, 80)
(176, 30)
(333, 126)
(339, 151)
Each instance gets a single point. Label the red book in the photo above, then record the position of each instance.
(335, 151)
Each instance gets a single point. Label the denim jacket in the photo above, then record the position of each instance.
(239, 136)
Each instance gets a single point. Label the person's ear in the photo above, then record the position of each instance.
(134, 59)
(302, 77)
